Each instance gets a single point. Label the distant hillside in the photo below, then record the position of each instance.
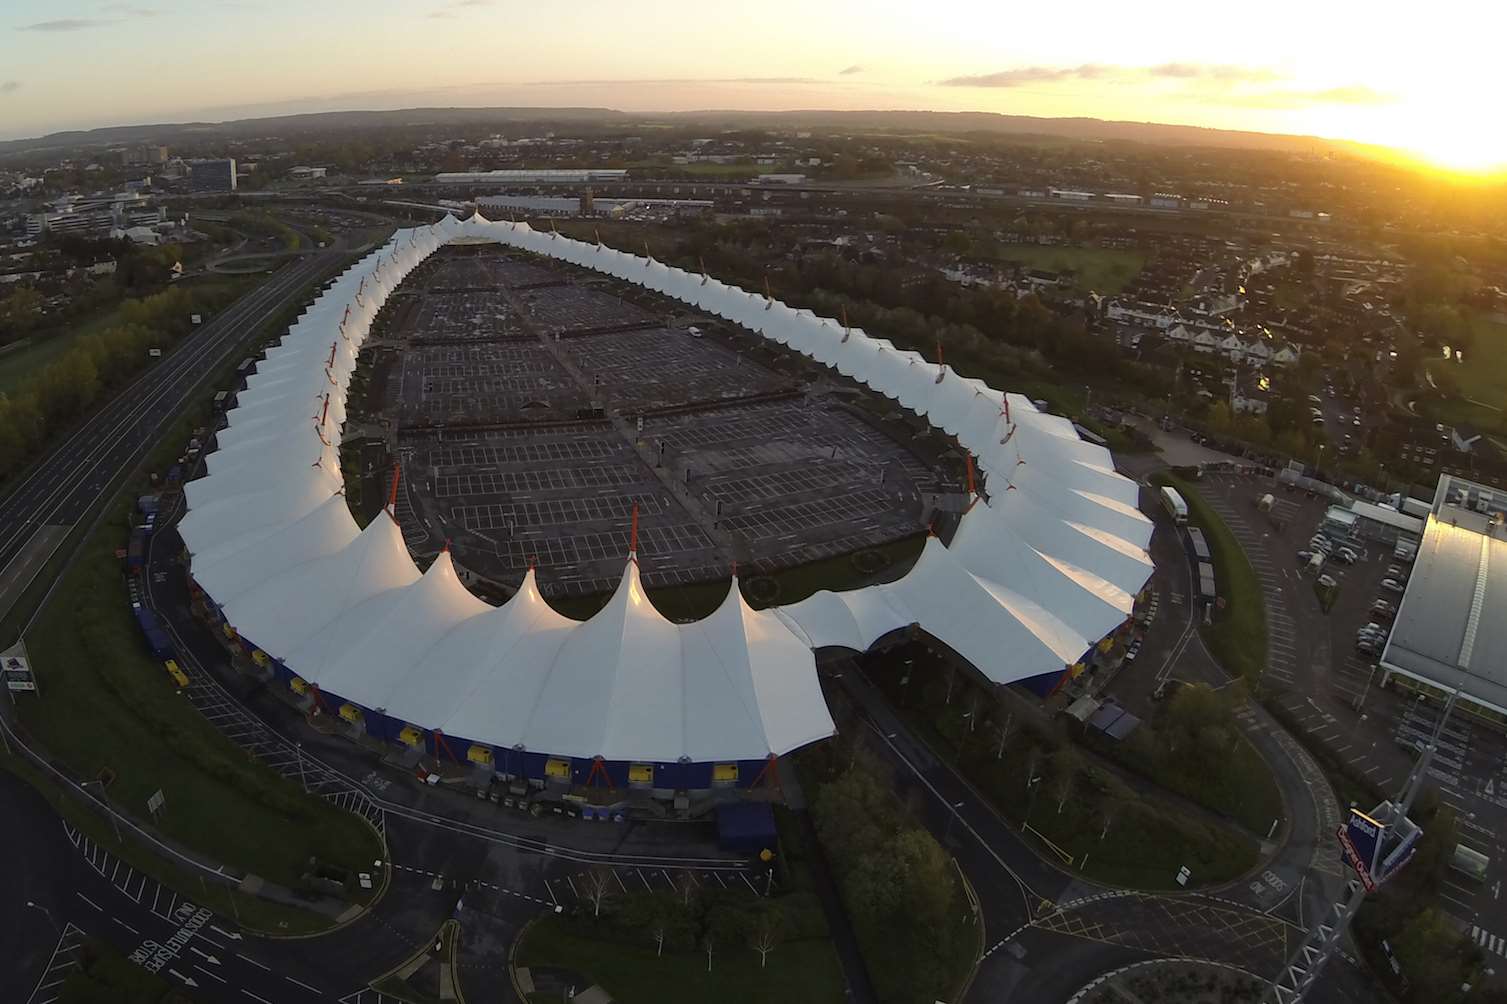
(167, 132)
(1087, 129)
(1153, 133)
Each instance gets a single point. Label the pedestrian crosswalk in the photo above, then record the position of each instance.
(1489, 941)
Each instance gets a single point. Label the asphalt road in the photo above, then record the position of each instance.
(60, 489)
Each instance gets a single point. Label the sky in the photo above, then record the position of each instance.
(1427, 79)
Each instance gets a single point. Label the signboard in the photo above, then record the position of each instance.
(1377, 849)
(1353, 856)
(1366, 836)
(17, 671)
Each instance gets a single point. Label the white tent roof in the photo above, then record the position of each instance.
(1038, 572)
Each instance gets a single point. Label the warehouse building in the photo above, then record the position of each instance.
(1451, 627)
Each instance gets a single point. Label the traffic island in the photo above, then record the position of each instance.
(428, 976)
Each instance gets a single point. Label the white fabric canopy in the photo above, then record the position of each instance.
(1040, 570)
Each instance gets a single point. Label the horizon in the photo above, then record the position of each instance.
(1401, 91)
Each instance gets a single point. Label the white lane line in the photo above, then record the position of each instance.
(301, 983)
(247, 958)
(254, 997)
(91, 902)
(206, 972)
(123, 924)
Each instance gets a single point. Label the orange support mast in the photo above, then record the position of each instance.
(633, 535)
(770, 770)
(598, 769)
(392, 494)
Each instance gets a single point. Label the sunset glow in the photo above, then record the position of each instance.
(1387, 78)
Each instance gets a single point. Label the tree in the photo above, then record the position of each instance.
(766, 931)
(20, 312)
(1064, 776)
(685, 885)
(1109, 811)
(1220, 418)
(598, 883)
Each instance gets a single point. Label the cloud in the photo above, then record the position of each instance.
(452, 9)
(9, 86)
(673, 80)
(63, 24)
(128, 10)
(855, 68)
(1026, 75)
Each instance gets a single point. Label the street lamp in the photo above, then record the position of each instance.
(105, 798)
(952, 813)
(46, 913)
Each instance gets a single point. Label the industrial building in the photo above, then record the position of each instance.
(532, 176)
(1045, 563)
(212, 175)
(588, 205)
(1451, 626)
(75, 215)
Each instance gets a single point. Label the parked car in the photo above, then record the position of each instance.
(1391, 585)
(1367, 647)
(1327, 581)
(1133, 650)
(1397, 572)
(1344, 555)
(1384, 605)
(1303, 557)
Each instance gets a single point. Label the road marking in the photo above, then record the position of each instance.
(123, 924)
(91, 902)
(206, 972)
(247, 958)
(254, 997)
(301, 983)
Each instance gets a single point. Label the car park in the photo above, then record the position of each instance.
(1391, 585)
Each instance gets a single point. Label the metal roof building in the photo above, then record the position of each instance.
(1038, 572)
(1451, 627)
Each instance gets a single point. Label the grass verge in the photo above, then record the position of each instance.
(1092, 823)
(254, 914)
(19, 366)
(804, 970)
(1102, 270)
(106, 705)
(1238, 636)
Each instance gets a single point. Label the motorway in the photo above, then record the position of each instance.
(61, 488)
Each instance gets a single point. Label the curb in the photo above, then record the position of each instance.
(512, 956)
(983, 940)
